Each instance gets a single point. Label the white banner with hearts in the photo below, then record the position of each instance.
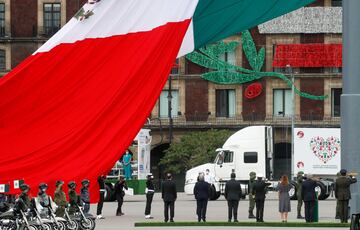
(317, 151)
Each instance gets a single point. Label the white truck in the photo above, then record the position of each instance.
(316, 151)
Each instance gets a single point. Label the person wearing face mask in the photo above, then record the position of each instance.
(127, 165)
(73, 197)
(85, 196)
(60, 199)
(23, 203)
(150, 190)
(43, 201)
(209, 178)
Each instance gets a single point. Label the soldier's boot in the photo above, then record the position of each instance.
(251, 215)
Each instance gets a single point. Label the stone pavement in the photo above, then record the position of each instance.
(185, 211)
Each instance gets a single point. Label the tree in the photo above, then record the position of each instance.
(194, 149)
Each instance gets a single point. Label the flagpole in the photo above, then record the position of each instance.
(350, 101)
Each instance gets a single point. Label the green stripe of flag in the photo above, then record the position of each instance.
(217, 19)
(4, 188)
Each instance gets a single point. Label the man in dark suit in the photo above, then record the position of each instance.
(169, 195)
(309, 197)
(342, 194)
(202, 194)
(233, 195)
(259, 190)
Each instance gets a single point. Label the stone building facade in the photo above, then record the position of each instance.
(198, 104)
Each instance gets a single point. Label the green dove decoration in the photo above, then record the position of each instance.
(226, 73)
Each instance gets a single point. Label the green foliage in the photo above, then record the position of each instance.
(194, 149)
(256, 60)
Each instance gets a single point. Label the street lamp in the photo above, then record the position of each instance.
(290, 72)
(169, 111)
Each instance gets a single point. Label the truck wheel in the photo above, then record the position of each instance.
(109, 193)
(320, 188)
(293, 191)
(355, 225)
(213, 194)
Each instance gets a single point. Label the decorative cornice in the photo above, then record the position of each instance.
(306, 20)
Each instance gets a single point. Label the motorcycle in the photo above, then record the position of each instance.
(59, 223)
(71, 223)
(42, 223)
(12, 220)
(84, 221)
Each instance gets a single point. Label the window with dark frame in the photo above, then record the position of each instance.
(164, 104)
(52, 18)
(335, 102)
(250, 157)
(282, 102)
(225, 103)
(2, 19)
(336, 2)
(2, 60)
(175, 68)
(277, 69)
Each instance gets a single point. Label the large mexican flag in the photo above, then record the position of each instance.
(71, 109)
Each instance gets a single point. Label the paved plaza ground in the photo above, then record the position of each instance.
(185, 211)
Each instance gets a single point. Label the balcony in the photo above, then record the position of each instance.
(201, 121)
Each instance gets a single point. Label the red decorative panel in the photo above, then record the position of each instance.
(308, 55)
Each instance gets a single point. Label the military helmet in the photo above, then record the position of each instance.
(85, 182)
(72, 184)
(300, 173)
(43, 186)
(59, 182)
(24, 187)
(252, 174)
(343, 172)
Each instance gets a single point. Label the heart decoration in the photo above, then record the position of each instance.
(325, 149)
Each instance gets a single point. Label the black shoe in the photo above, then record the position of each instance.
(337, 217)
(204, 220)
(300, 217)
(165, 221)
(171, 220)
(251, 216)
(236, 221)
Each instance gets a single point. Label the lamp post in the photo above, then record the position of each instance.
(350, 102)
(169, 111)
(290, 72)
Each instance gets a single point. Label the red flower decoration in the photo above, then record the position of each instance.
(253, 90)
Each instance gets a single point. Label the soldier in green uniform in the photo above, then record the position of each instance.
(299, 180)
(60, 199)
(73, 198)
(251, 196)
(24, 202)
(342, 194)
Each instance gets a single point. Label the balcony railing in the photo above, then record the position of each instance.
(208, 121)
